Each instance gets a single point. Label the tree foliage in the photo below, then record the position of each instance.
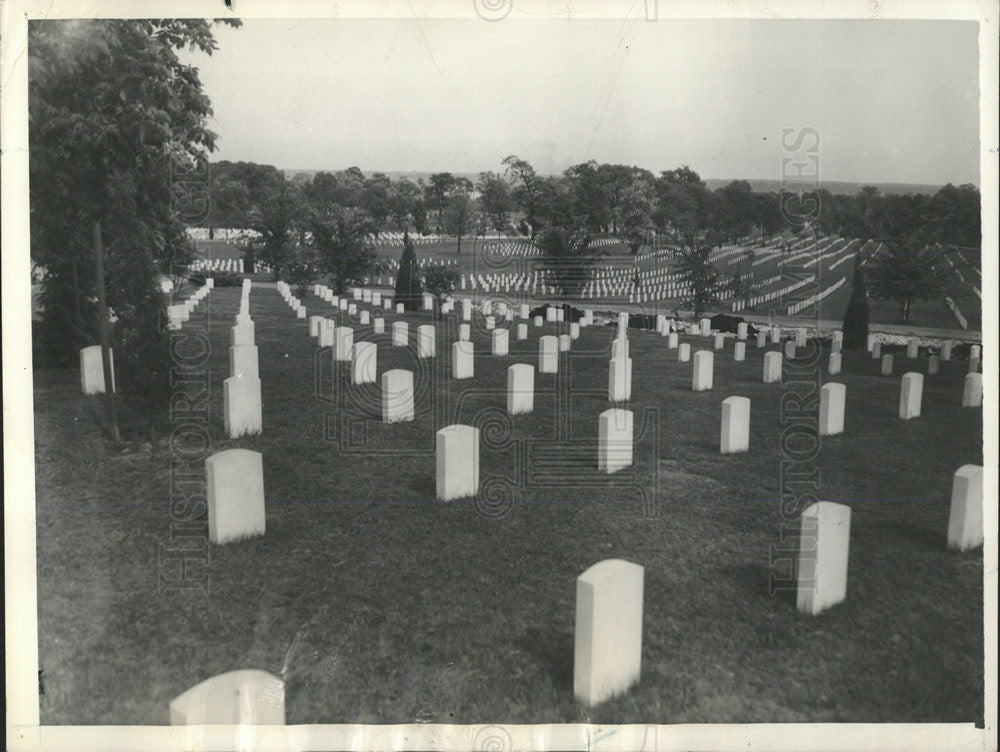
(905, 274)
(118, 137)
(440, 280)
(856, 316)
(567, 259)
(343, 249)
(703, 279)
(409, 288)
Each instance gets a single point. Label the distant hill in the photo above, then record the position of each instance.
(763, 186)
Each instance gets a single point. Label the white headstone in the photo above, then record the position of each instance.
(614, 444)
(720, 340)
(463, 361)
(910, 394)
(836, 346)
(457, 453)
(501, 341)
(300, 312)
(975, 351)
(776, 336)
(574, 330)
(428, 302)
(869, 342)
(378, 326)
(466, 309)
(740, 352)
(800, 337)
(426, 341)
(364, 318)
(565, 342)
(363, 363)
(933, 365)
(911, 348)
(684, 352)
(620, 380)
(701, 377)
(400, 308)
(946, 349)
(397, 396)
(464, 332)
(838, 336)
(772, 367)
(314, 322)
(607, 656)
(622, 323)
(92, 370)
(672, 341)
(832, 401)
(241, 334)
(376, 299)
(522, 331)
(972, 393)
(965, 521)
(520, 388)
(241, 406)
(524, 312)
(490, 323)
(705, 327)
(235, 492)
(741, 330)
(887, 364)
(735, 435)
(243, 361)
(876, 350)
(790, 350)
(834, 367)
(400, 334)
(560, 314)
(761, 339)
(548, 354)
(236, 698)
(973, 365)
(550, 314)
(824, 543)
(343, 343)
(539, 321)
(351, 309)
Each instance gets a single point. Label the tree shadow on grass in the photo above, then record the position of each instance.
(922, 537)
(553, 650)
(761, 581)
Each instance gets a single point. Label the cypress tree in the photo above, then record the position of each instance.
(856, 317)
(409, 287)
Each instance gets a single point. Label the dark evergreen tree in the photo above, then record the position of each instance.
(409, 287)
(856, 317)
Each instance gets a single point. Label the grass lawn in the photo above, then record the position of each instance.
(378, 604)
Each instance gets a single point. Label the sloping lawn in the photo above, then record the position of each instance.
(378, 604)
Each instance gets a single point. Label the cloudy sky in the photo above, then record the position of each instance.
(892, 101)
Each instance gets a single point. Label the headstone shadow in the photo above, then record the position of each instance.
(553, 650)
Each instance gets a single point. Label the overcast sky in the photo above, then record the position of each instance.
(892, 101)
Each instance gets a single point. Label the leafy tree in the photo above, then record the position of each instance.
(701, 276)
(440, 280)
(905, 274)
(118, 163)
(375, 199)
(635, 212)
(459, 216)
(494, 195)
(409, 289)
(441, 184)
(526, 190)
(278, 219)
(567, 259)
(856, 316)
(342, 247)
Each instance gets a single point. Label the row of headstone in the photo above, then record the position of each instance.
(874, 346)
(179, 313)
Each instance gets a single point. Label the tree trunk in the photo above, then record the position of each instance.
(76, 302)
(459, 251)
(102, 312)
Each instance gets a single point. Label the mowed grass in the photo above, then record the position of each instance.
(378, 604)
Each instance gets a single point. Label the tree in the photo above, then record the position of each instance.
(341, 242)
(409, 289)
(635, 213)
(526, 190)
(567, 259)
(459, 216)
(441, 184)
(701, 276)
(278, 219)
(119, 162)
(440, 280)
(494, 195)
(906, 273)
(856, 316)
